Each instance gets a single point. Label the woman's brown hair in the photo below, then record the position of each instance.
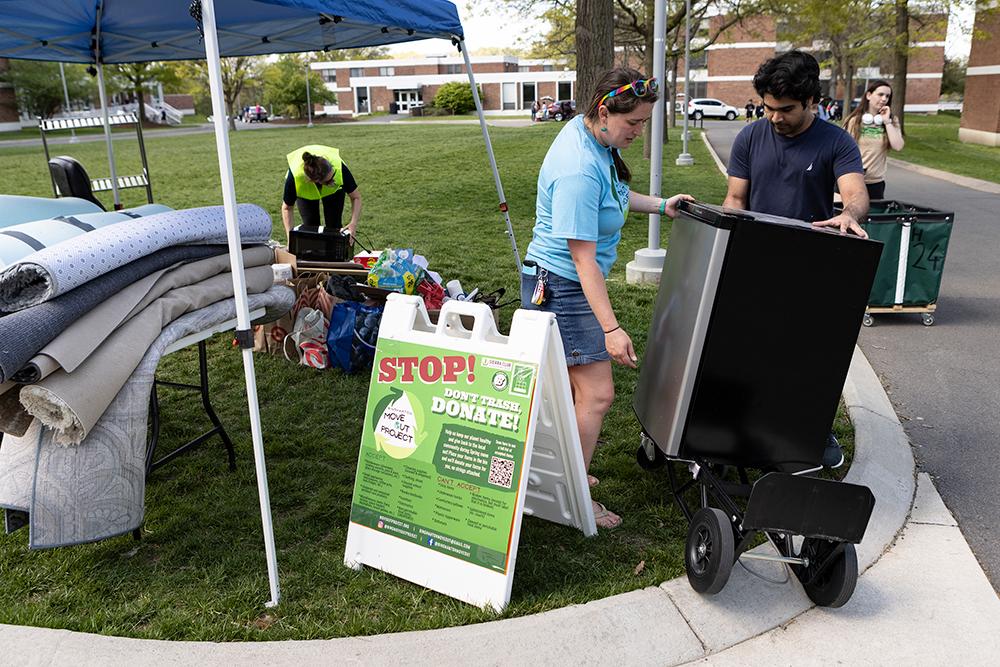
(853, 122)
(317, 168)
(625, 102)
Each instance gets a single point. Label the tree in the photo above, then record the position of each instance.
(236, 74)
(38, 85)
(456, 97)
(953, 78)
(595, 47)
(135, 76)
(901, 60)
(285, 85)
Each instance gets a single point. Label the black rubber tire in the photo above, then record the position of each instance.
(646, 463)
(697, 115)
(835, 586)
(730, 115)
(708, 552)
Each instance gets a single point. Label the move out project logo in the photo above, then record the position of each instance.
(397, 428)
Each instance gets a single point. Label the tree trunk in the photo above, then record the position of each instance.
(901, 59)
(672, 98)
(647, 70)
(594, 46)
(142, 102)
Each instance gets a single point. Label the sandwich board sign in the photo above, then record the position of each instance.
(465, 431)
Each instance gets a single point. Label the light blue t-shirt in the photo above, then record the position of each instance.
(579, 197)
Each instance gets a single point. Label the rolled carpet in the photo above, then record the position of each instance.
(15, 209)
(53, 271)
(24, 333)
(71, 403)
(81, 338)
(73, 495)
(22, 240)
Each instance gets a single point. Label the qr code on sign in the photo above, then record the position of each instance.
(501, 472)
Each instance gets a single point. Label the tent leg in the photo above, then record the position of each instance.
(239, 287)
(107, 136)
(489, 151)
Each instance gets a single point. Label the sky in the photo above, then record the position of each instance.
(504, 29)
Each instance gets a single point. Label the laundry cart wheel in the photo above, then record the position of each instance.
(868, 320)
(708, 555)
(928, 319)
(834, 586)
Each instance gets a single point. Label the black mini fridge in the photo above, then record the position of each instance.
(749, 346)
(751, 336)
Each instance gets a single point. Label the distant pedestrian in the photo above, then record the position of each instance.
(750, 109)
(876, 131)
(534, 111)
(759, 111)
(821, 109)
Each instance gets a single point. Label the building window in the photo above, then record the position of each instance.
(329, 75)
(454, 69)
(523, 68)
(387, 71)
(509, 95)
(699, 89)
(548, 68)
(527, 95)
(565, 90)
(357, 71)
(362, 100)
(699, 60)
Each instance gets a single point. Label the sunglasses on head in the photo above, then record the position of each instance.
(639, 87)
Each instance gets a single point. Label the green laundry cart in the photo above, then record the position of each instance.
(915, 242)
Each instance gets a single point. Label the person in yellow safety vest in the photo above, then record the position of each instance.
(317, 174)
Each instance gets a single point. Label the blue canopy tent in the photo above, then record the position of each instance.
(122, 31)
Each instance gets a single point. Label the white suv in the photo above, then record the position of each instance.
(711, 108)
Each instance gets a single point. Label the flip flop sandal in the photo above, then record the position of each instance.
(592, 481)
(603, 513)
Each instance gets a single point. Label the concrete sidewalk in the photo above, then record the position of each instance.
(925, 591)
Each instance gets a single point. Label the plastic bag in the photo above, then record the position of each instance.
(395, 270)
(432, 293)
(309, 338)
(352, 335)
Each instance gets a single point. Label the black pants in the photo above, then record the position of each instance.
(333, 211)
(876, 190)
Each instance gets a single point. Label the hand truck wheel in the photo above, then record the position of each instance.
(828, 584)
(708, 554)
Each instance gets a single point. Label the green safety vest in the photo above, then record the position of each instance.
(305, 188)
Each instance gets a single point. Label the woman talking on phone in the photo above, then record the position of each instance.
(876, 131)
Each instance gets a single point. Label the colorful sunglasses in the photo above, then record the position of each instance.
(640, 87)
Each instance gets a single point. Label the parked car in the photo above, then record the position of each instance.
(562, 109)
(256, 113)
(707, 107)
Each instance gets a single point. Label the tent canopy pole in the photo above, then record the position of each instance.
(239, 286)
(460, 43)
(104, 106)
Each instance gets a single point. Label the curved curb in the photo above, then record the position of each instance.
(669, 624)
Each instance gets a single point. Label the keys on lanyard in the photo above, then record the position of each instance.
(538, 296)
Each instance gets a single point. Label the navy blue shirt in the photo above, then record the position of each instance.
(793, 177)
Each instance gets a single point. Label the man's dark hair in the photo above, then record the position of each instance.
(794, 74)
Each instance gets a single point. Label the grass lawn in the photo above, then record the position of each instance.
(199, 571)
(932, 141)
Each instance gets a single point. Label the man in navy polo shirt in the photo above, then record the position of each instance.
(788, 164)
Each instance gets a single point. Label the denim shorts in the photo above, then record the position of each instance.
(582, 335)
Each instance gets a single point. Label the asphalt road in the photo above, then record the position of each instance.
(944, 380)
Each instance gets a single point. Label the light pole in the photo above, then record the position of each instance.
(62, 74)
(309, 106)
(685, 159)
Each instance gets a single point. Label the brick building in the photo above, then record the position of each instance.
(981, 107)
(508, 84)
(725, 69)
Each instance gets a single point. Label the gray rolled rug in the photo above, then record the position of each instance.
(19, 241)
(53, 271)
(94, 491)
(24, 333)
(69, 349)
(71, 403)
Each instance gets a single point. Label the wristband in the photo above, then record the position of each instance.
(663, 207)
(613, 330)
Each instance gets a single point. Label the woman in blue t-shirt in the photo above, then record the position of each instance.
(583, 201)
